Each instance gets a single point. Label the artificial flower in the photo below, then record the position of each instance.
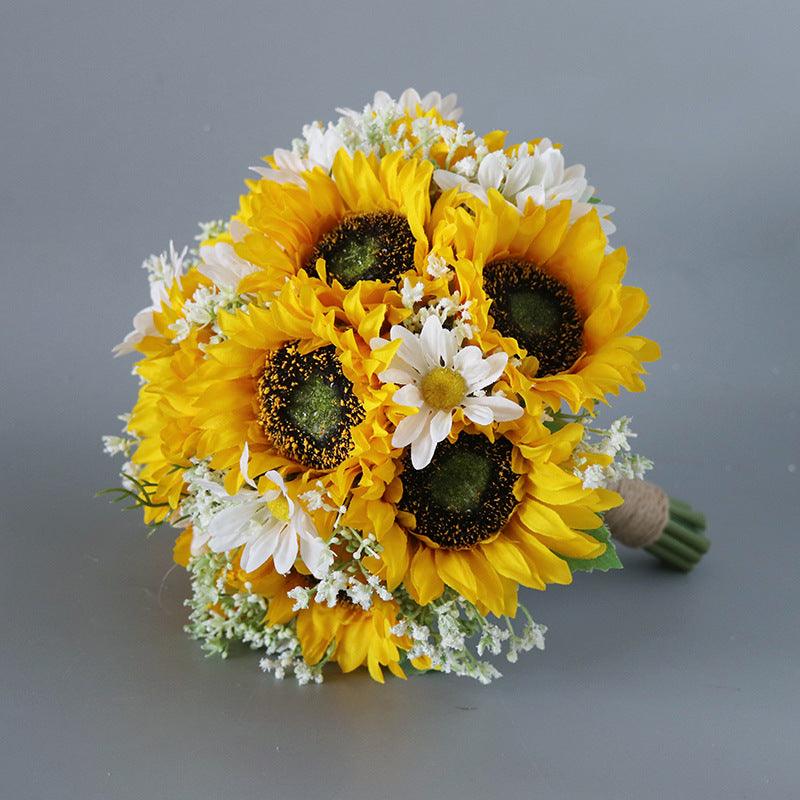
(485, 515)
(164, 271)
(268, 524)
(545, 292)
(220, 263)
(286, 381)
(438, 376)
(353, 395)
(383, 126)
(527, 172)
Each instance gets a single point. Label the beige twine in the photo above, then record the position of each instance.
(641, 519)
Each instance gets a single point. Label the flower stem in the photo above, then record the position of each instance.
(683, 542)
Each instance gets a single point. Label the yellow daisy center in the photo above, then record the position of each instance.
(443, 388)
(279, 508)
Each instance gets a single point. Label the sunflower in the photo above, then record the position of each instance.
(345, 633)
(294, 383)
(366, 221)
(544, 291)
(488, 513)
(353, 637)
(161, 418)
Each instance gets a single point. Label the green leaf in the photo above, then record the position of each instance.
(608, 560)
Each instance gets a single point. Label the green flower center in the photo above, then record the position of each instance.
(443, 388)
(537, 310)
(366, 247)
(315, 407)
(307, 407)
(462, 480)
(465, 495)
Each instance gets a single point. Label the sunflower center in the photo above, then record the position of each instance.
(314, 407)
(463, 478)
(366, 247)
(465, 495)
(307, 407)
(537, 310)
(443, 388)
(279, 508)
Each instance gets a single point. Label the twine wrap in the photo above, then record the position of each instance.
(667, 528)
(641, 519)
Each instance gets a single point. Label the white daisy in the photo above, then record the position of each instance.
(269, 525)
(354, 130)
(164, 270)
(410, 99)
(221, 264)
(539, 175)
(318, 149)
(437, 376)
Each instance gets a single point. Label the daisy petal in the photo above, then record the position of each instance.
(410, 351)
(409, 395)
(399, 374)
(229, 524)
(490, 172)
(432, 340)
(244, 461)
(314, 554)
(422, 450)
(477, 190)
(487, 372)
(277, 479)
(410, 428)
(575, 171)
(475, 410)
(518, 176)
(286, 551)
(535, 193)
(447, 180)
(259, 550)
(467, 362)
(441, 424)
(504, 410)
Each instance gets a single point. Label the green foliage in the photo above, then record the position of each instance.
(141, 498)
(608, 560)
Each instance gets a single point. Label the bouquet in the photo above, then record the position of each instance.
(367, 399)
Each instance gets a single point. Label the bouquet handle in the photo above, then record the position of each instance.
(651, 520)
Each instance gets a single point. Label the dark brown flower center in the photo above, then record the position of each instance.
(537, 310)
(366, 247)
(307, 406)
(465, 495)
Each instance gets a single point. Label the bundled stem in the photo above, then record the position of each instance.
(649, 519)
(683, 542)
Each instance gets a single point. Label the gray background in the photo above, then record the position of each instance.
(124, 124)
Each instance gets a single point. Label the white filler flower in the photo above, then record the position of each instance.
(437, 376)
(537, 173)
(164, 270)
(268, 525)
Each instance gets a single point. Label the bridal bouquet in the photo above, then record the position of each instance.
(367, 398)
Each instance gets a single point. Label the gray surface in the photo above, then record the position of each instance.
(123, 124)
